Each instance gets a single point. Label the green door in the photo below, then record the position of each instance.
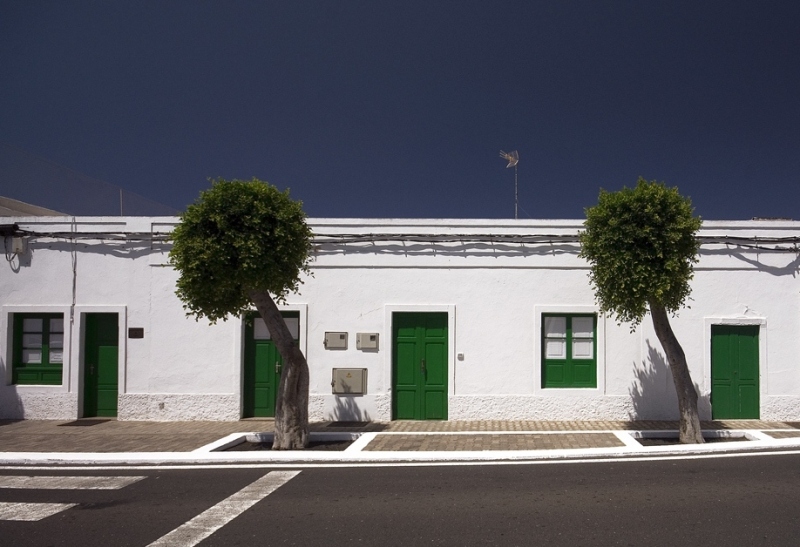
(419, 366)
(734, 372)
(262, 365)
(101, 365)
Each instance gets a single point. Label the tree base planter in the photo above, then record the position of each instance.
(312, 445)
(338, 441)
(671, 438)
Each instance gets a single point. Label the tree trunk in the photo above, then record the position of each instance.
(291, 409)
(690, 432)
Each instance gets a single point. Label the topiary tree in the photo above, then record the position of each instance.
(245, 243)
(641, 246)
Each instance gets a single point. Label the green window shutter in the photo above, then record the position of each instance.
(38, 348)
(569, 350)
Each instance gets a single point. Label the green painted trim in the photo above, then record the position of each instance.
(420, 342)
(101, 365)
(258, 401)
(735, 372)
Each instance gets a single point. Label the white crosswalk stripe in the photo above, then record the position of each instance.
(209, 521)
(37, 511)
(31, 511)
(67, 483)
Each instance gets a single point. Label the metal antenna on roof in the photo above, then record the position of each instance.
(513, 160)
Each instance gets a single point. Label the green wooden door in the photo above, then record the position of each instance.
(262, 365)
(734, 372)
(419, 366)
(101, 365)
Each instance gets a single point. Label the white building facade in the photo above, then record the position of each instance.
(400, 319)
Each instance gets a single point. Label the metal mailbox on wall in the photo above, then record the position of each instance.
(367, 340)
(335, 340)
(349, 381)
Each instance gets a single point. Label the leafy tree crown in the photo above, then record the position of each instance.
(239, 236)
(640, 243)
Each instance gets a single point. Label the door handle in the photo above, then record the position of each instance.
(91, 369)
(423, 370)
(277, 367)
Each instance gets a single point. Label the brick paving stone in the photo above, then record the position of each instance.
(783, 434)
(489, 441)
(130, 436)
(115, 436)
(401, 426)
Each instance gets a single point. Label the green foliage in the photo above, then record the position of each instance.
(641, 246)
(239, 236)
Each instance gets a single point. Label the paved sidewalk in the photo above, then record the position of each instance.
(101, 436)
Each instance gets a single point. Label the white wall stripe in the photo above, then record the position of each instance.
(67, 483)
(209, 521)
(31, 511)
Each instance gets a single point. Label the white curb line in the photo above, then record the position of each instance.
(212, 453)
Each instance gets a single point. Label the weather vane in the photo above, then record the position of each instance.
(513, 160)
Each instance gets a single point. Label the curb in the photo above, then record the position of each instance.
(213, 454)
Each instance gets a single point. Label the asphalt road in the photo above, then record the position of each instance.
(710, 502)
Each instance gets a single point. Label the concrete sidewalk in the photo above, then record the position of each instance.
(103, 441)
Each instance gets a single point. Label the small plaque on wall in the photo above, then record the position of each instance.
(135, 332)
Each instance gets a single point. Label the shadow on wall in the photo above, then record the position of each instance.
(653, 391)
(112, 245)
(434, 246)
(11, 407)
(346, 410)
(791, 268)
(16, 261)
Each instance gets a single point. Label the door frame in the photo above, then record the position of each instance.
(761, 322)
(386, 373)
(239, 353)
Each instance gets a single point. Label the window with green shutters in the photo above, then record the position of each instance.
(569, 350)
(38, 348)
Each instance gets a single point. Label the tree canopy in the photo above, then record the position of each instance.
(239, 237)
(641, 245)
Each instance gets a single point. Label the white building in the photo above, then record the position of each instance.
(422, 319)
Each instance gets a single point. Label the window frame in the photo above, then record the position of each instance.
(46, 369)
(538, 311)
(569, 363)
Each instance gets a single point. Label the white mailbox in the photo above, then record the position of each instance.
(367, 340)
(335, 340)
(349, 381)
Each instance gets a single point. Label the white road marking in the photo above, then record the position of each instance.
(627, 439)
(225, 442)
(359, 444)
(209, 521)
(520, 458)
(31, 511)
(67, 483)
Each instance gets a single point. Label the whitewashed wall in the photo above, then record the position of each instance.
(494, 291)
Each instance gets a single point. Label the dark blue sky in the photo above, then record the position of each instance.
(398, 109)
